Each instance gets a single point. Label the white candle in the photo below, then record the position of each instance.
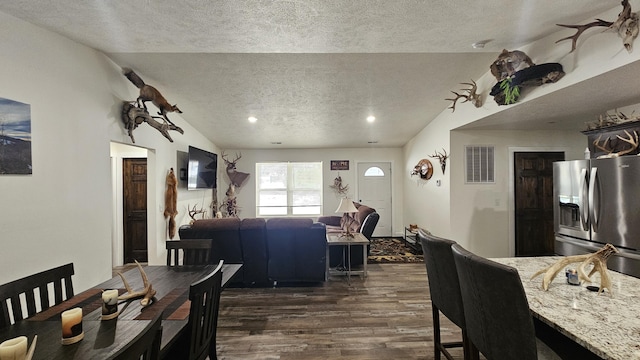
(71, 323)
(110, 297)
(14, 349)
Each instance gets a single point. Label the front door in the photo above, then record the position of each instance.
(534, 202)
(374, 190)
(135, 209)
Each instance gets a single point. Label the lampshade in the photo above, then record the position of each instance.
(346, 206)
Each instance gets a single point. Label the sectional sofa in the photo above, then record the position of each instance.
(277, 250)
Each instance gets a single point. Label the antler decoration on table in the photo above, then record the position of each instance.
(147, 293)
(598, 259)
(471, 95)
(627, 26)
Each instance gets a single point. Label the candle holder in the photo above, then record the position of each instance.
(72, 326)
(110, 304)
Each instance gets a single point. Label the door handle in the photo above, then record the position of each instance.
(584, 209)
(594, 202)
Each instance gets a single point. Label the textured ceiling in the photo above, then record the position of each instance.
(312, 71)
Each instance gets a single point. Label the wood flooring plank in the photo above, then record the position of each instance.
(385, 316)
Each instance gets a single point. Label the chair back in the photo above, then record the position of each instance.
(146, 345)
(444, 285)
(59, 277)
(195, 252)
(203, 315)
(496, 310)
(369, 225)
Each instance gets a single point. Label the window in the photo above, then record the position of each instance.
(289, 189)
(479, 164)
(374, 171)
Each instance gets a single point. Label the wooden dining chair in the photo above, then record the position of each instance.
(199, 341)
(37, 295)
(496, 309)
(444, 288)
(195, 252)
(146, 346)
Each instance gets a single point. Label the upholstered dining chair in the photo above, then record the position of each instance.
(445, 293)
(496, 310)
(146, 345)
(195, 252)
(10, 292)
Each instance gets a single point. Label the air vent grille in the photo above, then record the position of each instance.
(479, 167)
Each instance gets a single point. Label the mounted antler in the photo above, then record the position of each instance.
(471, 95)
(598, 259)
(147, 293)
(626, 25)
(442, 157)
(631, 140)
(193, 212)
(236, 177)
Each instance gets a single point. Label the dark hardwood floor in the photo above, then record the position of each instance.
(386, 316)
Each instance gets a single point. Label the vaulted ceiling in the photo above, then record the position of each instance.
(311, 72)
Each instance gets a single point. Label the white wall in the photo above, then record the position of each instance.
(468, 213)
(246, 195)
(63, 211)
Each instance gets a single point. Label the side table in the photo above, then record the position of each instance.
(357, 239)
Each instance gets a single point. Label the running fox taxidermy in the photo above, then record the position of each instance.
(149, 93)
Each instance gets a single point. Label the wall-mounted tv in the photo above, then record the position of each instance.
(202, 170)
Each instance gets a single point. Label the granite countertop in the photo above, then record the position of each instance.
(606, 324)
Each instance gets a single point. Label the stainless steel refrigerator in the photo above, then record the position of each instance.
(597, 202)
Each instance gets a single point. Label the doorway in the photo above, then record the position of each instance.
(134, 200)
(374, 190)
(533, 202)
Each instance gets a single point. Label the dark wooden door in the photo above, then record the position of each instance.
(534, 202)
(135, 209)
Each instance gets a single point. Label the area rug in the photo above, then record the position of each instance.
(392, 250)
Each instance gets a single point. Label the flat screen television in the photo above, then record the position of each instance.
(202, 170)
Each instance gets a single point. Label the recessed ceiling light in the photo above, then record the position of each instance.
(371, 118)
(252, 119)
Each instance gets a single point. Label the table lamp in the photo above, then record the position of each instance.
(346, 206)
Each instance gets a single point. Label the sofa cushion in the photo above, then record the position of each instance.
(288, 223)
(230, 223)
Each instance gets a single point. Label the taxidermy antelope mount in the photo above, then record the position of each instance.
(626, 26)
(424, 169)
(442, 157)
(236, 177)
(598, 259)
(471, 95)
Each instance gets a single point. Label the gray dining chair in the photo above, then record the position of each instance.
(444, 288)
(146, 346)
(496, 310)
(36, 293)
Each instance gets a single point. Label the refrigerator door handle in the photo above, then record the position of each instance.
(584, 211)
(594, 201)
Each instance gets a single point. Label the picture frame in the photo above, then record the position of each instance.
(339, 164)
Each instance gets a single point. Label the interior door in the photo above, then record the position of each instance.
(534, 202)
(374, 190)
(134, 174)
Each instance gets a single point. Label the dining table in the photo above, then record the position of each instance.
(605, 323)
(105, 338)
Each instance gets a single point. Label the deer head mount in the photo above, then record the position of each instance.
(236, 177)
(471, 95)
(627, 27)
(442, 157)
(424, 169)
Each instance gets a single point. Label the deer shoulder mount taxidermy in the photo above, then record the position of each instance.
(627, 26)
(442, 157)
(424, 169)
(236, 177)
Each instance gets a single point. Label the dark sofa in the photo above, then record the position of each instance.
(364, 221)
(273, 250)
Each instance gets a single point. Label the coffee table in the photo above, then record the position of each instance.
(348, 241)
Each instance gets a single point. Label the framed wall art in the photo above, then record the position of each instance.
(15, 137)
(339, 164)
